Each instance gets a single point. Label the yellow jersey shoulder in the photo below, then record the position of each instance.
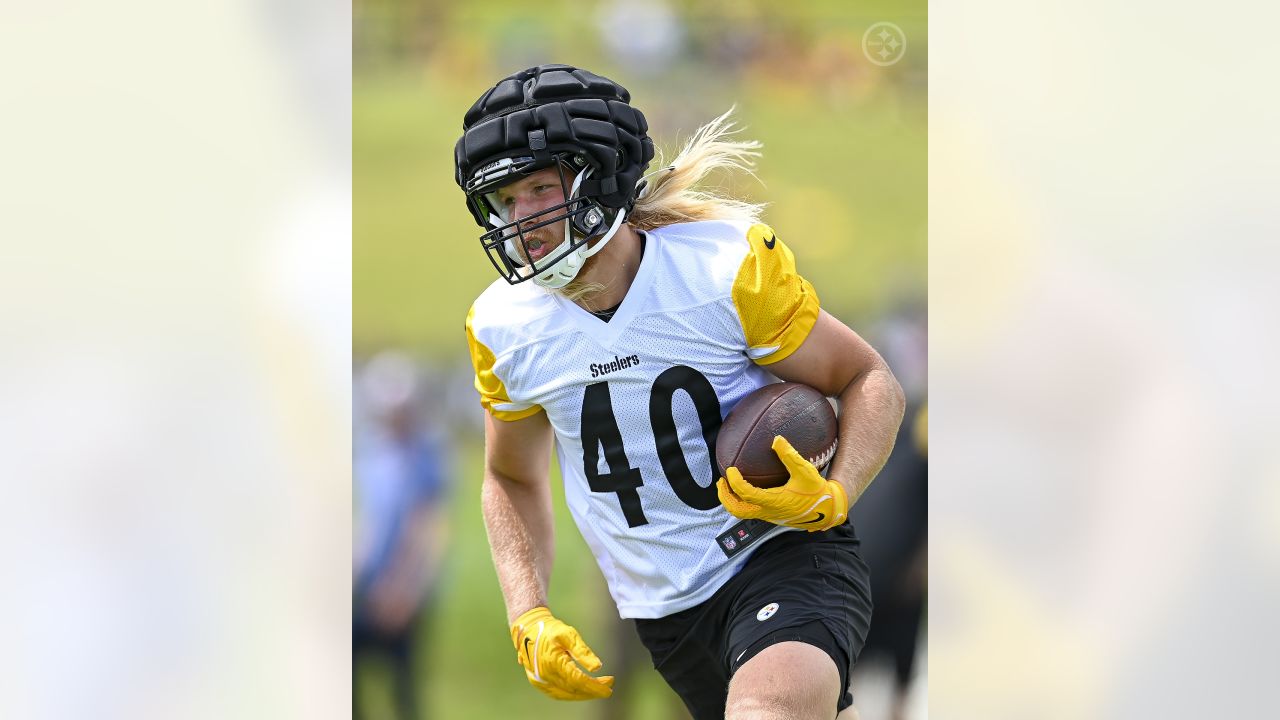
(776, 305)
(496, 322)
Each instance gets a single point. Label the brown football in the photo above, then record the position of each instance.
(797, 412)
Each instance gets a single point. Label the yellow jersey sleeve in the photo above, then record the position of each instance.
(776, 306)
(493, 394)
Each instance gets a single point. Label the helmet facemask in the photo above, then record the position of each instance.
(507, 240)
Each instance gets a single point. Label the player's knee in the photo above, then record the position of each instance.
(802, 701)
(792, 681)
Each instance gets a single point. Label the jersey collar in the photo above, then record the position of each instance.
(606, 333)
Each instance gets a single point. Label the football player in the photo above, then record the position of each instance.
(632, 313)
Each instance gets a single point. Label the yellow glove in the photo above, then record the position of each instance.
(548, 649)
(807, 501)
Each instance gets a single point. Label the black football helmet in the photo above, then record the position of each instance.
(557, 116)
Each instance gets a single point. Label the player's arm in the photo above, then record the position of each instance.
(516, 499)
(787, 331)
(834, 359)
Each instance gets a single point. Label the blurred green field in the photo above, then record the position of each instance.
(846, 191)
(844, 171)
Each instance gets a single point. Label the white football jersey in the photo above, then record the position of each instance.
(636, 402)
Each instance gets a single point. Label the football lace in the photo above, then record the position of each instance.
(825, 456)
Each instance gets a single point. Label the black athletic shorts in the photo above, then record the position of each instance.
(810, 587)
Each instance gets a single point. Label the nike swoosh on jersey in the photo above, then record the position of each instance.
(817, 519)
(526, 649)
(773, 240)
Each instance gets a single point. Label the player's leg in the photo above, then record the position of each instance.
(361, 641)
(683, 648)
(786, 681)
(800, 618)
(404, 679)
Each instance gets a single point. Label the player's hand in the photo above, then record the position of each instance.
(551, 652)
(807, 501)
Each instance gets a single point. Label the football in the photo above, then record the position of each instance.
(797, 412)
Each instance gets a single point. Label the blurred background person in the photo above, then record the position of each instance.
(892, 517)
(401, 473)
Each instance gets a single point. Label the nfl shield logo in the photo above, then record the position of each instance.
(729, 543)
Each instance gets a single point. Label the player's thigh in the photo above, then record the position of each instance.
(789, 680)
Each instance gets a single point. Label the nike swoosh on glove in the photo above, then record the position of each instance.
(807, 501)
(551, 653)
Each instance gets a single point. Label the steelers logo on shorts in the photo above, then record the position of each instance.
(767, 612)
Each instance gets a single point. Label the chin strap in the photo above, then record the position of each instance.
(567, 268)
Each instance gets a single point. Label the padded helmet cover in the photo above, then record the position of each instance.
(556, 110)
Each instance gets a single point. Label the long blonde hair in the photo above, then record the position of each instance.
(673, 196)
